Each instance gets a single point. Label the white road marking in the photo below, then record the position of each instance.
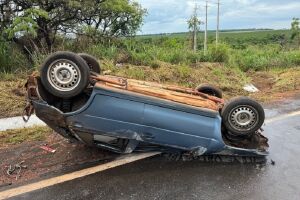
(282, 117)
(17, 122)
(74, 175)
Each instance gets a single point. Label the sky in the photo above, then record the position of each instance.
(168, 16)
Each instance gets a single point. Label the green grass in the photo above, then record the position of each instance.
(246, 49)
(286, 79)
(17, 136)
(12, 59)
(235, 38)
(241, 33)
(229, 79)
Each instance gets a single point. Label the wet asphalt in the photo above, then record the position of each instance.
(159, 178)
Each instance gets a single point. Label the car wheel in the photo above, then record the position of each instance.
(65, 74)
(210, 90)
(242, 116)
(92, 62)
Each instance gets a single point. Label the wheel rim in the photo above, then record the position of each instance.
(64, 75)
(243, 118)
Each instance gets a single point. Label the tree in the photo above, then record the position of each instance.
(45, 19)
(295, 30)
(26, 23)
(194, 26)
(112, 18)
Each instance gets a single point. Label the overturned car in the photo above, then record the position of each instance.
(125, 115)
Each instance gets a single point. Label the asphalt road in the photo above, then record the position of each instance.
(158, 178)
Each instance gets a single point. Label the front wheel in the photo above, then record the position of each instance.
(242, 116)
(65, 74)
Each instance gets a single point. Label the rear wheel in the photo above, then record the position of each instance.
(92, 62)
(243, 116)
(210, 90)
(65, 74)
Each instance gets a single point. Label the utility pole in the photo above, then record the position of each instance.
(195, 29)
(205, 34)
(218, 23)
(194, 26)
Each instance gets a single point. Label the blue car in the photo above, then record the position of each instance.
(123, 115)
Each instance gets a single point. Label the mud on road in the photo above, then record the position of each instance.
(40, 162)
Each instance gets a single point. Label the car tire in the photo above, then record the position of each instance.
(242, 116)
(64, 74)
(92, 62)
(210, 90)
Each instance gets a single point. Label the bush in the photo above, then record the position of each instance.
(292, 58)
(155, 64)
(12, 59)
(263, 58)
(219, 53)
(184, 71)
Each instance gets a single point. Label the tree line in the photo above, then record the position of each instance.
(45, 20)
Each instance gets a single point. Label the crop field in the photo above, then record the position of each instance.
(237, 33)
(254, 36)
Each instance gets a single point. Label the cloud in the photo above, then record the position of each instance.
(171, 16)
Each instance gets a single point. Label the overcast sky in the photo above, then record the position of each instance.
(167, 16)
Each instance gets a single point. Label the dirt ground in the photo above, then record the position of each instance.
(275, 86)
(40, 162)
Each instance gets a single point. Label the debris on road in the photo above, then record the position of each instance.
(39, 162)
(46, 148)
(272, 162)
(16, 168)
(250, 88)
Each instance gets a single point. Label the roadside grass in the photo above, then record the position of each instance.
(286, 79)
(12, 95)
(230, 80)
(17, 136)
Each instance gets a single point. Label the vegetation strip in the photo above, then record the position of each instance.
(122, 160)
(16, 136)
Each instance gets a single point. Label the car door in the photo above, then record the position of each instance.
(113, 116)
(176, 128)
